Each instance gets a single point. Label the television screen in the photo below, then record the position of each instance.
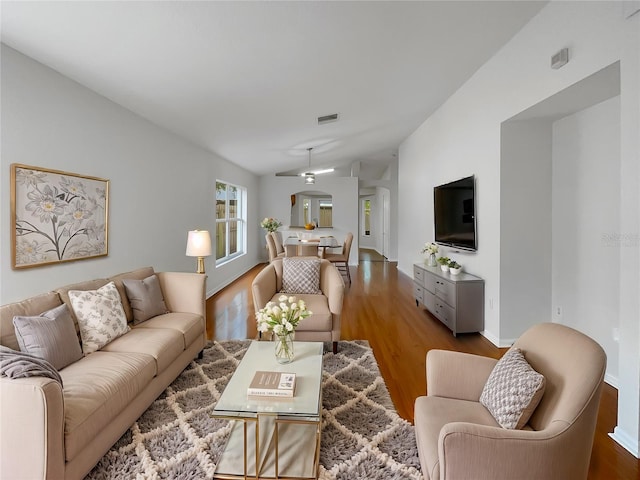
(454, 214)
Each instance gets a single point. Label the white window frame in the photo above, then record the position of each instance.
(241, 220)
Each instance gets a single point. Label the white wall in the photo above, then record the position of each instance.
(275, 201)
(525, 219)
(161, 186)
(463, 138)
(386, 186)
(586, 222)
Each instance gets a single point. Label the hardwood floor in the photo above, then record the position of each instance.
(379, 307)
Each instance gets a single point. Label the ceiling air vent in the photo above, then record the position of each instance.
(328, 118)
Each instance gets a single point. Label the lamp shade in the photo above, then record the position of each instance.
(198, 243)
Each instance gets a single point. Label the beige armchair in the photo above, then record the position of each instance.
(324, 324)
(459, 439)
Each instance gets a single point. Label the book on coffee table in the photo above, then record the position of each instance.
(272, 384)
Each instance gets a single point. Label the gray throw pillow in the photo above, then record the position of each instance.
(51, 336)
(145, 297)
(300, 275)
(513, 390)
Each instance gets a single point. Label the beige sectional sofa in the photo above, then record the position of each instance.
(54, 432)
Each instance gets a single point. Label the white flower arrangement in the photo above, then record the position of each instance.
(270, 224)
(282, 318)
(430, 248)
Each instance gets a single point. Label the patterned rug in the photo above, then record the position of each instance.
(362, 436)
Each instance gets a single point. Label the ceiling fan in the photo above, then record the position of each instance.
(309, 175)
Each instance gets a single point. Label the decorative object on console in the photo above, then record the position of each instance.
(444, 263)
(56, 216)
(454, 267)
(199, 245)
(281, 319)
(271, 224)
(430, 249)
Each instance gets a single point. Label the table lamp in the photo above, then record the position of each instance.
(199, 245)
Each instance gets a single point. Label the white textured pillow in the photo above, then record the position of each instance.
(300, 275)
(513, 390)
(100, 316)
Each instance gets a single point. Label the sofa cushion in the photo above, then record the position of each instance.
(27, 308)
(96, 389)
(145, 298)
(300, 275)
(100, 316)
(321, 319)
(137, 274)
(513, 390)
(189, 325)
(163, 344)
(51, 336)
(431, 414)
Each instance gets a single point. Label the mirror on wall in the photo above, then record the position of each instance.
(311, 207)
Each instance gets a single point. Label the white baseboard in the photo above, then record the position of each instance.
(217, 288)
(500, 343)
(611, 380)
(626, 440)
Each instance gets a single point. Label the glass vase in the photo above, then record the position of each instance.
(284, 348)
(431, 260)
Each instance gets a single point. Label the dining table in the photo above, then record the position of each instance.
(293, 243)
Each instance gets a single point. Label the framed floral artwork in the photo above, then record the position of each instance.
(57, 216)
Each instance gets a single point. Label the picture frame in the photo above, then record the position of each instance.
(57, 216)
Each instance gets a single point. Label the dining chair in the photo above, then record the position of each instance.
(271, 245)
(308, 250)
(278, 243)
(341, 260)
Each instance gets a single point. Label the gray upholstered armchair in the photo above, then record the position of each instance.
(459, 439)
(324, 324)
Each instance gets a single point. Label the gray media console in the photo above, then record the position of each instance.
(455, 300)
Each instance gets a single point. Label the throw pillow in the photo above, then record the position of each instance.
(513, 390)
(300, 275)
(50, 336)
(100, 316)
(145, 297)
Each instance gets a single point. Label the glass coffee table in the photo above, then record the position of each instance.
(273, 437)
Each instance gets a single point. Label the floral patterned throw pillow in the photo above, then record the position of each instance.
(100, 316)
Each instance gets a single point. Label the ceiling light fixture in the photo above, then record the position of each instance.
(320, 172)
(309, 177)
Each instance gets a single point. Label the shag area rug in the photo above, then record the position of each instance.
(362, 435)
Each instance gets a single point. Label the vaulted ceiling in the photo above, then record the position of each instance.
(247, 80)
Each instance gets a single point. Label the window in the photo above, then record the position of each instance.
(326, 213)
(230, 221)
(366, 213)
(306, 206)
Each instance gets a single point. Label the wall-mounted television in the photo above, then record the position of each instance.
(455, 214)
